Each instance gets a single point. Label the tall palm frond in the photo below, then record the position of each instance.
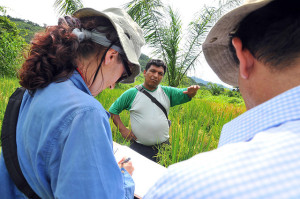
(163, 32)
(3, 10)
(149, 14)
(171, 40)
(67, 7)
(197, 30)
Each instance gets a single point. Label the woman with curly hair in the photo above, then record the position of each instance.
(63, 136)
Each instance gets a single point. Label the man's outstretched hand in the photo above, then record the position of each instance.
(192, 90)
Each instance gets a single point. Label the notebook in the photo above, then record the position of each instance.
(146, 172)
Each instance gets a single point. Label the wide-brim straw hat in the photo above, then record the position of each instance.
(129, 32)
(216, 46)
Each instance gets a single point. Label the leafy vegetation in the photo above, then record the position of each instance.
(215, 89)
(143, 60)
(26, 27)
(7, 87)
(196, 125)
(11, 46)
(196, 128)
(67, 7)
(163, 32)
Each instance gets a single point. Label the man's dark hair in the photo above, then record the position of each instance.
(156, 62)
(272, 33)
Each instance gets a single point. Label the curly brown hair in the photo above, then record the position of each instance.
(52, 54)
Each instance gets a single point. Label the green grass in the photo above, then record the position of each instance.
(196, 125)
(7, 87)
(196, 128)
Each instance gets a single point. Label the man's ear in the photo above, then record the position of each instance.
(145, 72)
(245, 57)
(110, 56)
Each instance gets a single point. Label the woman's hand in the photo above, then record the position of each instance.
(127, 165)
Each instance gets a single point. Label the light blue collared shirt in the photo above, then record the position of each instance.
(258, 157)
(65, 146)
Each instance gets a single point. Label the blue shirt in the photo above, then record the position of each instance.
(258, 157)
(65, 146)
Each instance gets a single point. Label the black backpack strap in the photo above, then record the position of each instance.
(153, 99)
(9, 145)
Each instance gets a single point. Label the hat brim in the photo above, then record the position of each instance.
(111, 14)
(216, 46)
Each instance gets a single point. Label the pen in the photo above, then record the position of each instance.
(116, 151)
(124, 161)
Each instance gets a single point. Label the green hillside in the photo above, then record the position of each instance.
(28, 28)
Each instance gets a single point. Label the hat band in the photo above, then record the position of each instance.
(96, 37)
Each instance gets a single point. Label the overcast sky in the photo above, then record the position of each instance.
(42, 12)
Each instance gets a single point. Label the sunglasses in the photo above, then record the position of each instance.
(126, 72)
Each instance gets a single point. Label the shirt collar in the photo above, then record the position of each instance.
(79, 82)
(276, 111)
(149, 90)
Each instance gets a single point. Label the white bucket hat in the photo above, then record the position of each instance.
(129, 32)
(216, 46)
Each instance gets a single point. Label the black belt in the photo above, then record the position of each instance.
(165, 142)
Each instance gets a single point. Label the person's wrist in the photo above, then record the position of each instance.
(123, 129)
(126, 135)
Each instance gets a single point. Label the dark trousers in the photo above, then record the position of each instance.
(149, 152)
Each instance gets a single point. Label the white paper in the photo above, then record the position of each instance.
(146, 172)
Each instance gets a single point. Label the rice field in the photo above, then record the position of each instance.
(196, 125)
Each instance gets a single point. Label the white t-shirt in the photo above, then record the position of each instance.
(148, 122)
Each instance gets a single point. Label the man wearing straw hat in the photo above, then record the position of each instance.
(257, 47)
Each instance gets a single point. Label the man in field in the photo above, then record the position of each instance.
(149, 122)
(257, 47)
